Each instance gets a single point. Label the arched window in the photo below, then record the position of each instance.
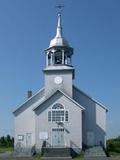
(58, 113)
(58, 106)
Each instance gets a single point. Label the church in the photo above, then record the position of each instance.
(59, 115)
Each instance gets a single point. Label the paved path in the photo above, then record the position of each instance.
(103, 158)
(96, 151)
(8, 156)
(15, 158)
(24, 158)
(5, 155)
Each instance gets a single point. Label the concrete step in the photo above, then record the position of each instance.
(57, 152)
(23, 152)
(96, 151)
(56, 158)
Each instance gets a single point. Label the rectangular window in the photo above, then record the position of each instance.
(20, 137)
(49, 116)
(58, 116)
(66, 116)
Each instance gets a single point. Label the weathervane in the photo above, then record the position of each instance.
(59, 7)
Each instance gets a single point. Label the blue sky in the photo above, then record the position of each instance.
(92, 27)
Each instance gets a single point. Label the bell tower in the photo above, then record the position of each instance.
(59, 71)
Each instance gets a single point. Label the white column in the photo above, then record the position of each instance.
(66, 61)
(51, 58)
(46, 59)
(70, 60)
(62, 56)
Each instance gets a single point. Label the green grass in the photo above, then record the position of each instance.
(37, 156)
(80, 157)
(114, 154)
(5, 149)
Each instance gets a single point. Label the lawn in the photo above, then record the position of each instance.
(81, 157)
(114, 154)
(5, 149)
(37, 156)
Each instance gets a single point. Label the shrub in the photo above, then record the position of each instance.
(113, 145)
(6, 141)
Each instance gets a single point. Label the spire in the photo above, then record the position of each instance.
(59, 40)
(59, 52)
(59, 27)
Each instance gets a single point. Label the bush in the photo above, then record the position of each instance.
(113, 145)
(6, 141)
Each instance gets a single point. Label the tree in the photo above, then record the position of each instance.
(3, 142)
(113, 145)
(7, 141)
(12, 142)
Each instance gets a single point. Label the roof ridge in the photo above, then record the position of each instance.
(58, 90)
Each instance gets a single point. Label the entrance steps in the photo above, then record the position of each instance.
(56, 158)
(96, 151)
(57, 154)
(24, 152)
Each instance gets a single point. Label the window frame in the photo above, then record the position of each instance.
(57, 115)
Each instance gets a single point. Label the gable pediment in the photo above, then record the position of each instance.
(48, 101)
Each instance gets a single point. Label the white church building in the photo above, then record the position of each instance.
(59, 115)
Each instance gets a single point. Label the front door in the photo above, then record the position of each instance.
(90, 138)
(58, 137)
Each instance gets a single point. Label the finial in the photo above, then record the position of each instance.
(59, 20)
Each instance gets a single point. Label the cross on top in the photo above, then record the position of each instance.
(59, 7)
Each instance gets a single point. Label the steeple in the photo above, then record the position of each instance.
(59, 71)
(59, 51)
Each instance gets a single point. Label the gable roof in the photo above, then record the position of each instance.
(94, 100)
(31, 100)
(61, 92)
(40, 96)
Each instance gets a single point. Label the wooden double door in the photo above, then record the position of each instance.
(58, 137)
